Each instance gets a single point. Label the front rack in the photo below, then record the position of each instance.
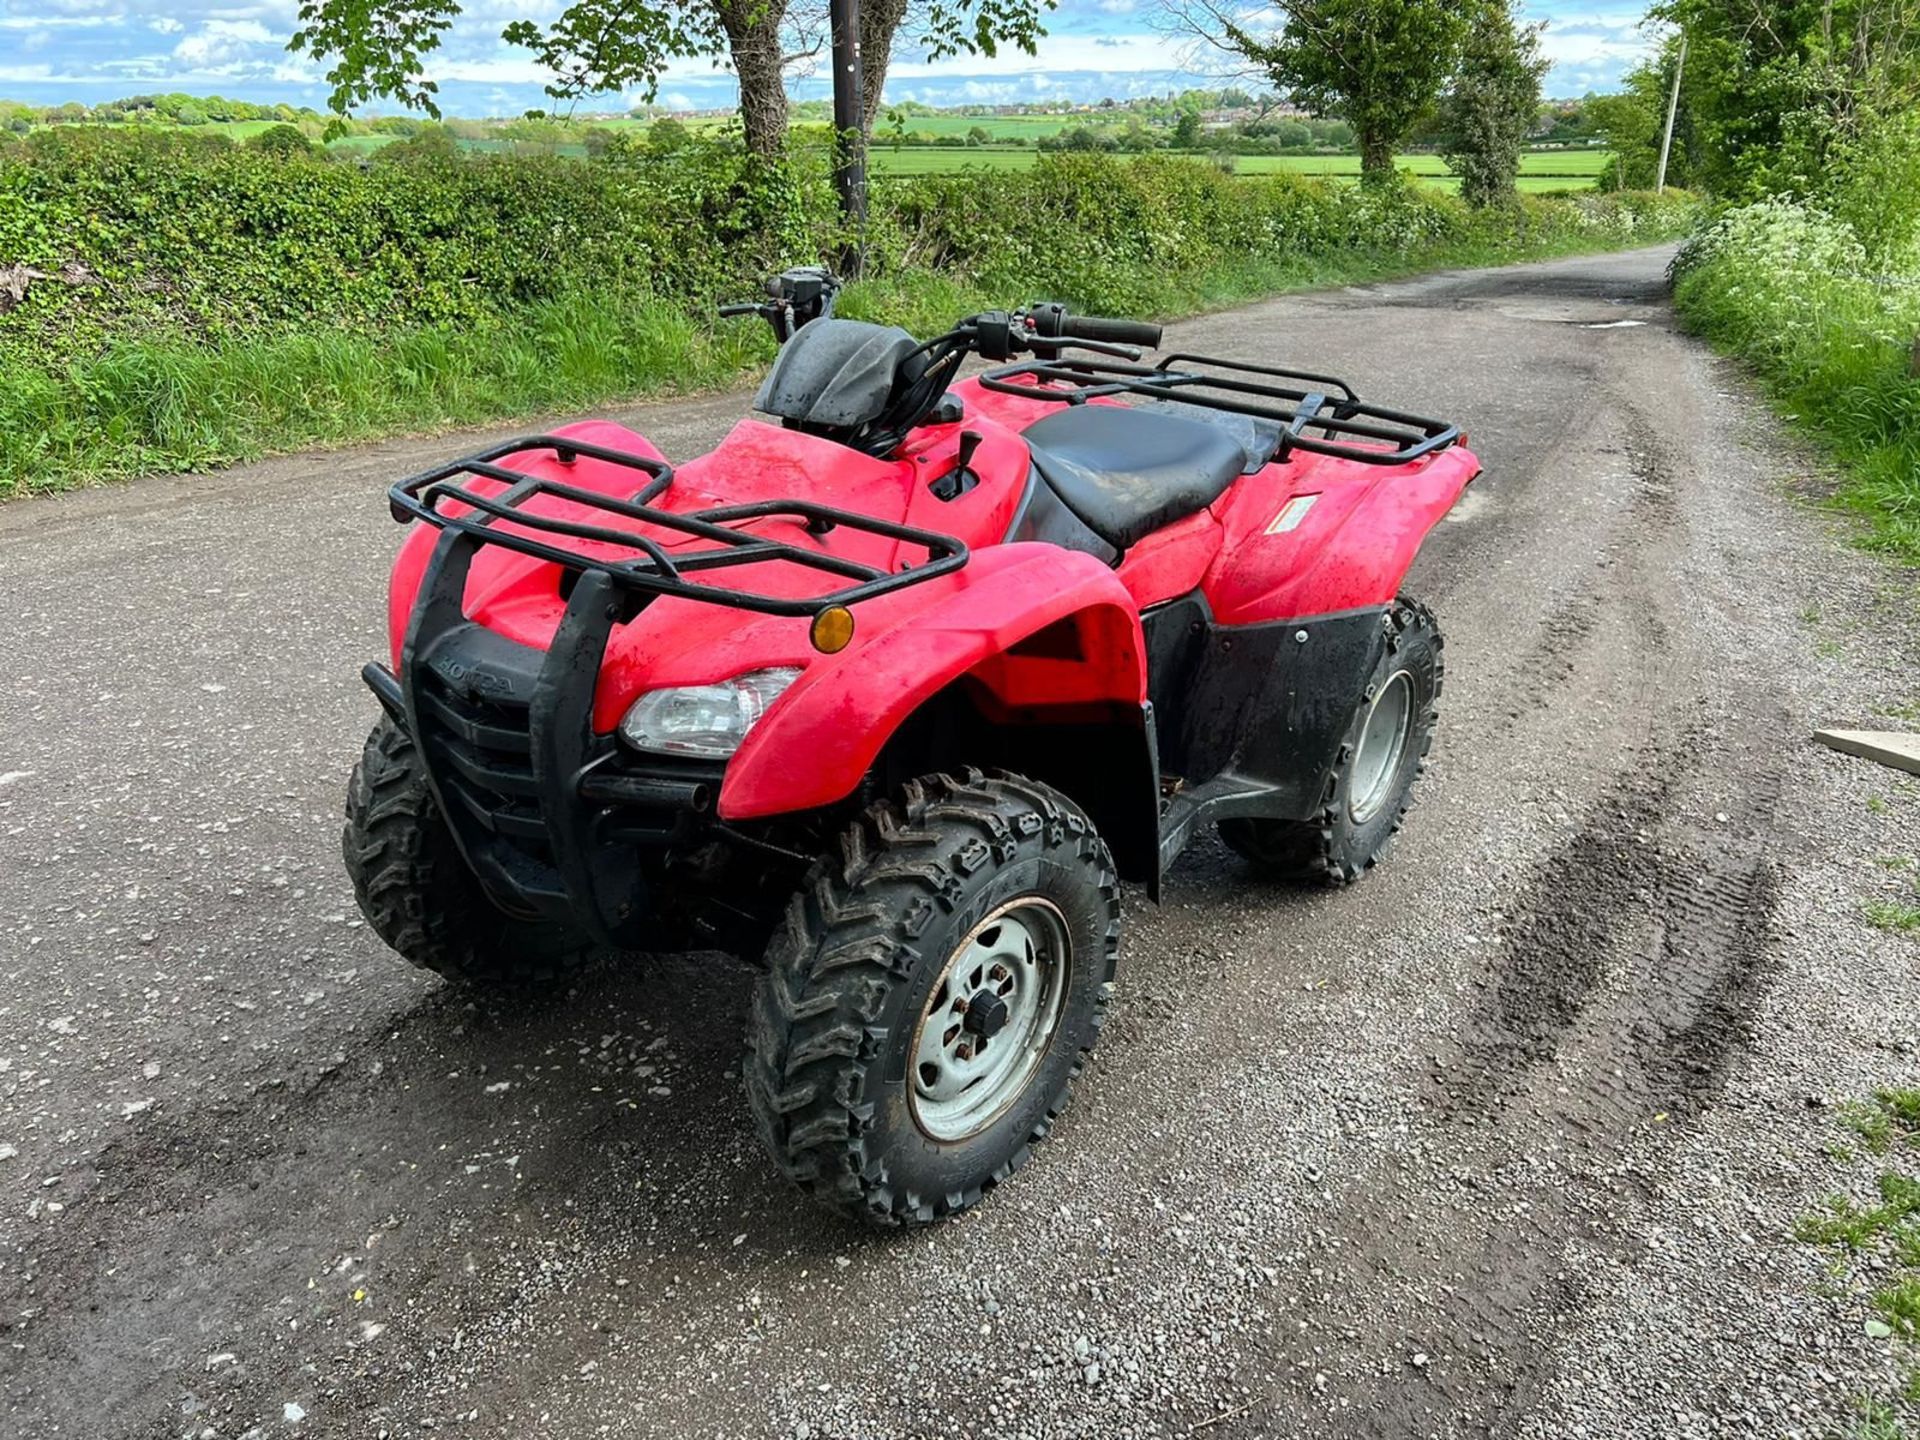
(1323, 405)
(655, 572)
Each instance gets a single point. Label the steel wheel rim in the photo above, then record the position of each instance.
(962, 1080)
(1383, 741)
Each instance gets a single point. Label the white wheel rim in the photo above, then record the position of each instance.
(1010, 975)
(1383, 742)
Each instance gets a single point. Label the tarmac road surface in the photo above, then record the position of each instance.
(1508, 1139)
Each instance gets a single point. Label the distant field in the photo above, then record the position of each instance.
(1539, 170)
(1025, 128)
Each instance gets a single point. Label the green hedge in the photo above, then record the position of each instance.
(202, 303)
(188, 237)
(1833, 326)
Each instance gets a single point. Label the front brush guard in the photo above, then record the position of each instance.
(600, 887)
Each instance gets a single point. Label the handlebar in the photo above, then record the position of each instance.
(1112, 332)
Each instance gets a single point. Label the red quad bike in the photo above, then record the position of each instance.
(900, 687)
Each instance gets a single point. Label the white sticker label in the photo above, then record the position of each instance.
(1291, 514)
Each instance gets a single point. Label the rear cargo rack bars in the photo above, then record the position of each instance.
(1322, 404)
(655, 572)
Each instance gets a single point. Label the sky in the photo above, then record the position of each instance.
(53, 51)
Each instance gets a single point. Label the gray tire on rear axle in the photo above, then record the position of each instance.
(1384, 752)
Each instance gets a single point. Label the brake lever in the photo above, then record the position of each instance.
(1125, 352)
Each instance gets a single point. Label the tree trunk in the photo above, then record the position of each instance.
(879, 22)
(1376, 155)
(753, 39)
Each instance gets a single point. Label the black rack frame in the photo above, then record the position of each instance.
(418, 497)
(1326, 404)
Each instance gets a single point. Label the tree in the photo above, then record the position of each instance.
(281, 140)
(380, 48)
(1492, 102)
(1377, 64)
(940, 28)
(1776, 90)
(1186, 131)
(1631, 123)
(667, 134)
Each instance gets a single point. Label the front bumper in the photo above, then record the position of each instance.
(554, 820)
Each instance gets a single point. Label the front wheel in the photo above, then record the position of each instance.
(1384, 752)
(417, 892)
(930, 995)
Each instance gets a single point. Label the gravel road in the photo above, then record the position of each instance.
(1507, 1140)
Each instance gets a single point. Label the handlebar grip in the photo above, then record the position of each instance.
(745, 308)
(1121, 332)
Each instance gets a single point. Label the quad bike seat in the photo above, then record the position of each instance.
(1126, 473)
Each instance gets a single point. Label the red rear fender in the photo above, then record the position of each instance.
(1036, 626)
(1317, 536)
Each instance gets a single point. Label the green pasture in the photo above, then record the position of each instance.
(1540, 171)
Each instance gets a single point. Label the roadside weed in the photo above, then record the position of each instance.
(1878, 1421)
(1878, 1242)
(1896, 916)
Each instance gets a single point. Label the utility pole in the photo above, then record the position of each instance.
(1673, 105)
(849, 140)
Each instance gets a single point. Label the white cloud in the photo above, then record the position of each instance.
(221, 42)
(64, 22)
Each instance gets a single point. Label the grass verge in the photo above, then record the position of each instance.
(1879, 1240)
(147, 406)
(1833, 334)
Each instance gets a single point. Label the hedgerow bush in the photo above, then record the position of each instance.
(191, 302)
(180, 237)
(1828, 311)
(1111, 234)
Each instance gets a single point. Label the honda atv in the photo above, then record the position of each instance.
(896, 689)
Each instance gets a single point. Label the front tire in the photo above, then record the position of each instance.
(416, 890)
(930, 996)
(1384, 752)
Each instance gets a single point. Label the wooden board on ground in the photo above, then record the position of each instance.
(1889, 747)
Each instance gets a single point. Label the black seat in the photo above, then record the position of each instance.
(1125, 473)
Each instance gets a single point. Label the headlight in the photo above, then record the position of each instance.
(705, 720)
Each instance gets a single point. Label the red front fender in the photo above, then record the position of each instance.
(824, 735)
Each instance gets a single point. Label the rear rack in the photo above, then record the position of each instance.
(654, 572)
(1324, 405)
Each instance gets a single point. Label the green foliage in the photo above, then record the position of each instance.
(1771, 89)
(1896, 916)
(213, 244)
(1377, 64)
(1889, 1121)
(281, 140)
(231, 301)
(1831, 329)
(1884, 1233)
(1631, 123)
(1492, 102)
(1875, 190)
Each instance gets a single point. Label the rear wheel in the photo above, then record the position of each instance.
(417, 892)
(930, 995)
(1384, 752)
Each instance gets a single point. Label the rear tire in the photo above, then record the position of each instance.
(1369, 791)
(416, 890)
(930, 995)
